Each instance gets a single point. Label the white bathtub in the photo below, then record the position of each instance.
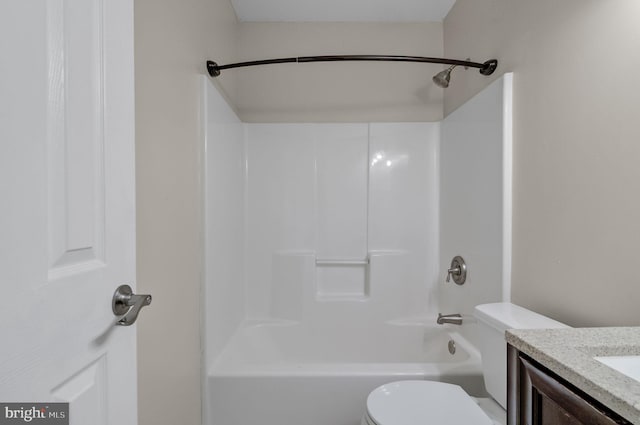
(288, 374)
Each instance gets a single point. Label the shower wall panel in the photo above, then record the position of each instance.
(476, 170)
(306, 195)
(224, 219)
(403, 216)
(341, 160)
(319, 195)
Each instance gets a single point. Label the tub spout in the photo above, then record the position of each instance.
(454, 319)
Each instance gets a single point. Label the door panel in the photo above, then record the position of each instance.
(75, 137)
(86, 391)
(67, 205)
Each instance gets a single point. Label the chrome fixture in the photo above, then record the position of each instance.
(442, 78)
(125, 303)
(452, 347)
(454, 319)
(457, 270)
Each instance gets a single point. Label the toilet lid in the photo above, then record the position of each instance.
(423, 402)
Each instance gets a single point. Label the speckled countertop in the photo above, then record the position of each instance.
(569, 353)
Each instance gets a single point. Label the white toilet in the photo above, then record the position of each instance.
(428, 402)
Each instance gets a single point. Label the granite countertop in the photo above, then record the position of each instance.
(569, 353)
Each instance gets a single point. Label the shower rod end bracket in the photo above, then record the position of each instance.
(489, 67)
(213, 68)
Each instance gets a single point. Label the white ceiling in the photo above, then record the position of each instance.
(341, 10)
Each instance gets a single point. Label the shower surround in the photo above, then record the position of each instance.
(322, 267)
(341, 221)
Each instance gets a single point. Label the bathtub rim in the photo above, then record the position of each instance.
(221, 367)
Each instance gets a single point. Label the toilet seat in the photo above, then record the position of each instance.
(423, 403)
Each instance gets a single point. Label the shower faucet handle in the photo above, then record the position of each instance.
(457, 270)
(452, 271)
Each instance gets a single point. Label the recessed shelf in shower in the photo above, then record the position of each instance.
(342, 279)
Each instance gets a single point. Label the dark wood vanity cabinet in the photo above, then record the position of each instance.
(537, 396)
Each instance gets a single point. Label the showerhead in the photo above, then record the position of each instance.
(442, 78)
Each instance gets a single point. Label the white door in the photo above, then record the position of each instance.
(67, 235)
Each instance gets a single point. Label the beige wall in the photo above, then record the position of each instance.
(576, 70)
(338, 92)
(172, 40)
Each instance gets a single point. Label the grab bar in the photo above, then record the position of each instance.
(341, 262)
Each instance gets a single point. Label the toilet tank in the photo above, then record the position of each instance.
(493, 320)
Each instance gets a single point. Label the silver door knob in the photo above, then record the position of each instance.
(126, 304)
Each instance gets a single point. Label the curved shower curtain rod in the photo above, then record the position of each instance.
(486, 68)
